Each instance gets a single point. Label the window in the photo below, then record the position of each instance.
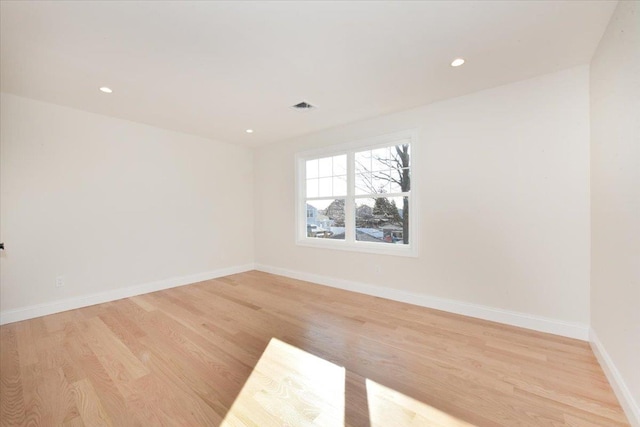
(358, 196)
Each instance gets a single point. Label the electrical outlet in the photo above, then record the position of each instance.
(59, 281)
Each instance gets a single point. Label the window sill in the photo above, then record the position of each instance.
(363, 247)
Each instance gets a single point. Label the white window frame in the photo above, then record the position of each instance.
(350, 243)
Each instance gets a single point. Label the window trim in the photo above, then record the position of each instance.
(301, 238)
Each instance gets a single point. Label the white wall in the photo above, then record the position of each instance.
(615, 203)
(111, 204)
(504, 200)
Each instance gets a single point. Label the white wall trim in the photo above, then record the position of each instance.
(523, 320)
(538, 323)
(29, 312)
(629, 405)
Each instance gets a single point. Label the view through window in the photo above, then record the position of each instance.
(358, 195)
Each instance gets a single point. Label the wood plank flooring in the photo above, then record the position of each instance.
(255, 349)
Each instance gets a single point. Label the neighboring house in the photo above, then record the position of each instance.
(392, 233)
(315, 218)
(312, 215)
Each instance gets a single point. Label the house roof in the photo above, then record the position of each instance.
(392, 227)
(360, 236)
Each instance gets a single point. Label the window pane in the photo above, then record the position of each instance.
(402, 162)
(380, 182)
(325, 187)
(312, 188)
(340, 165)
(339, 186)
(394, 187)
(312, 168)
(363, 161)
(363, 184)
(376, 182)
(406, 179)
(325, 167)
(325, 219)
(381, 159)
(382, 220)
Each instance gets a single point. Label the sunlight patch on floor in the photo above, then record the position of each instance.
(388, 407)
(290, 387)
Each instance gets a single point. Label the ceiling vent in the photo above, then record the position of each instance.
(303, 106)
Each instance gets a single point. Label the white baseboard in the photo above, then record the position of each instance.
(558, 327)
(538, 323)
(38, 310)
(630, 406)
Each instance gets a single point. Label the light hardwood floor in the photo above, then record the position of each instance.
(263, 350)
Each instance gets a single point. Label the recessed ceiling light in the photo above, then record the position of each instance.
(457, 62)
(105, 89)
(249, 131)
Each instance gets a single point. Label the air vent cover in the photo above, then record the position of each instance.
(303, 106)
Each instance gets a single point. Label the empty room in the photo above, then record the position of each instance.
(320, 213)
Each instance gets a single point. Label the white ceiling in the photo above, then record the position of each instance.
(217, 68)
